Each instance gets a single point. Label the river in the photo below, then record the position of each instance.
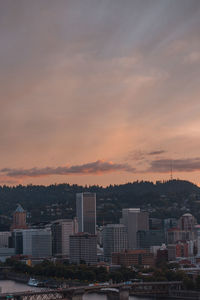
(9, 286)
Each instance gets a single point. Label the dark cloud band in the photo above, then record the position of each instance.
(178, 165)
(97, 167)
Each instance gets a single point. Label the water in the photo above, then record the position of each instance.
(9, 286)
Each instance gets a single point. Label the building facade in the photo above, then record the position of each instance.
(148, 238)
(133, 258)
(36, 243)
(83, 248)
(61, 230)
(19, 218)
(4, 239)
(134, 219)
(187, 222)
(115, 239)
(86, 212)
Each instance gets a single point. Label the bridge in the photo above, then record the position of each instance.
(113, 292)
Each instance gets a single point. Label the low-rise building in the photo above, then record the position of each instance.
(133, 257)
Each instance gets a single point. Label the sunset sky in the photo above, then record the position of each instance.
(99, 91)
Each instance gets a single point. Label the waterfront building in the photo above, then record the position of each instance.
(114, 239)
(61, 230)
(134, 219)
(33, 242)
(19, 218)
(83, 248)
(86, 212)
(130, 258)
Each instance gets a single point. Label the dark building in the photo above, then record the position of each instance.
(83, 248)
(148, 238)
(17, 242)
(86, 212)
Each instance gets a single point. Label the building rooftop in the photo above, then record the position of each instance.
(19, 208)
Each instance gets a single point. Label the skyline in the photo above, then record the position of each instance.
(99, 92)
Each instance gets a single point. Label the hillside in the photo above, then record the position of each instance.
(43, 203)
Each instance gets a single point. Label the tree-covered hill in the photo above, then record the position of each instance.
(43, 203)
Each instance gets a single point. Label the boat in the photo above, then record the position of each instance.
(34, 282)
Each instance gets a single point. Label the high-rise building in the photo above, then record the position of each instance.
(114, 239)
(19, 218)
(83, 248)
(61, 230)
(33, 242)
(86, 212)
(134, 219)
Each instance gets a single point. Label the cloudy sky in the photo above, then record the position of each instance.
(99, 91)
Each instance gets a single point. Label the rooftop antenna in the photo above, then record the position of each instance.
(171, 171)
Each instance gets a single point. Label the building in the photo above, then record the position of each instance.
(83, 248)
(114, 239)
(187, 222)
(197, 234)
(155, 224)
(33, 242)
(182, 249)
(170, 223)
(86, 212)
(4, 239)
(174, 235)
(134, 219)
(133, 258)
(148, 238)
(61, 230)
(6, 253)
(19, 218)
(162, 255)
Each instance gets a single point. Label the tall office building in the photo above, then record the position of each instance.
(19, 218)
(61, 230)
(83, 248)
(134, 219)
(114, 239)
(86, 212)
(36, 243)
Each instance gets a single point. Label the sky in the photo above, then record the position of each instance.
(99, 91)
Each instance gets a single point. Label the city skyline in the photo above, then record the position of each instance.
(99, 92)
